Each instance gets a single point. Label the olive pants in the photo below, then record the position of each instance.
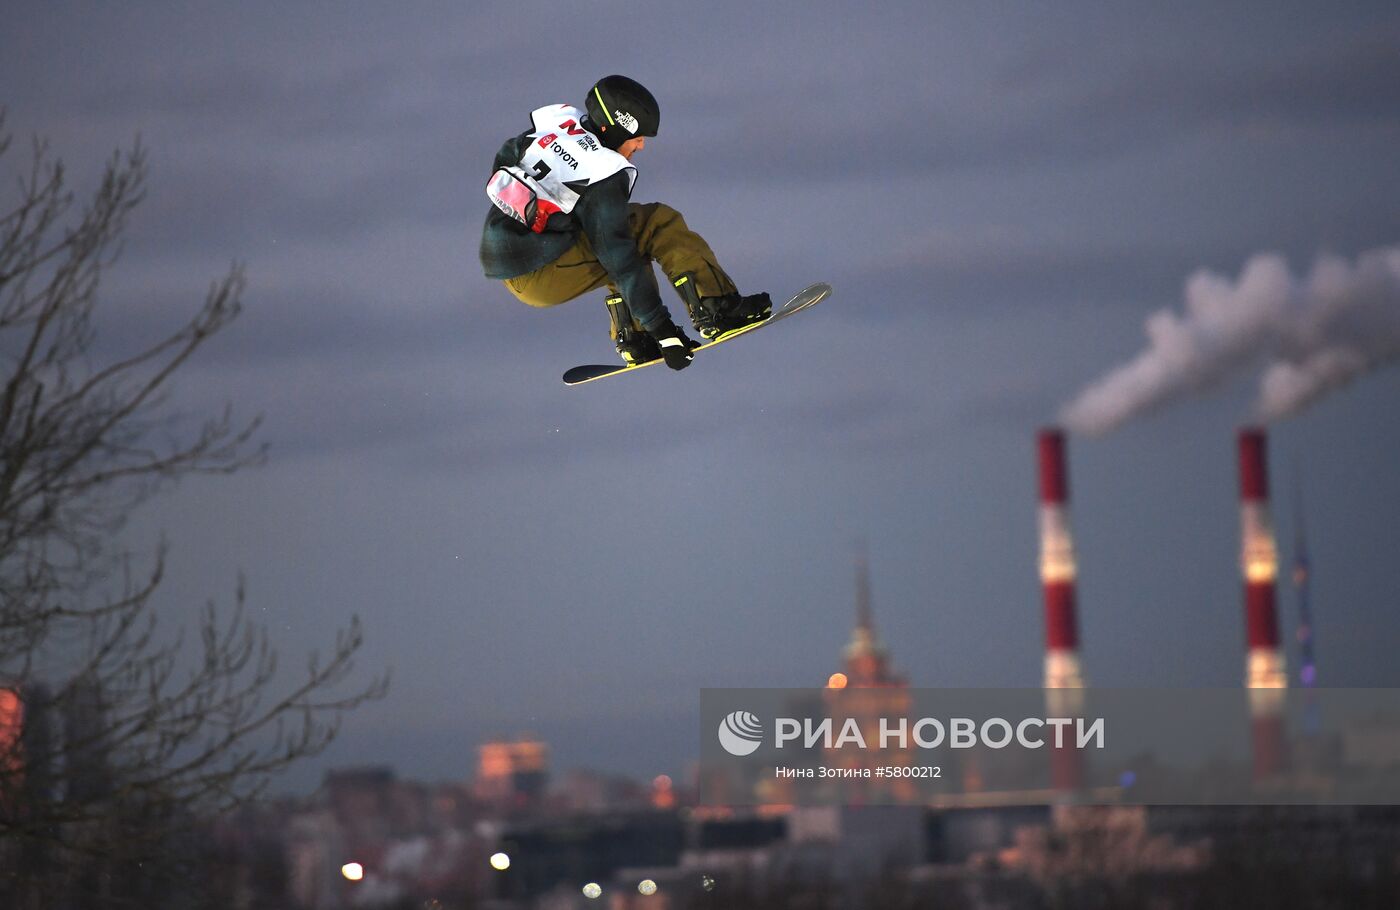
(662, 236)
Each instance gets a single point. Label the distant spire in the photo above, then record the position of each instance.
(865, 618)
(867, 661)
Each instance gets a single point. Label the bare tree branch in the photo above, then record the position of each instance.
(119, 722)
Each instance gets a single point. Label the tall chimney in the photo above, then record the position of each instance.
(1057, 568)
(1064, 679)
(1302, 586)
(1264, 665)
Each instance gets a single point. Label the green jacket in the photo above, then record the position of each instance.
(509, 249)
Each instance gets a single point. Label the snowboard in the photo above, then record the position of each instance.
(800, 301)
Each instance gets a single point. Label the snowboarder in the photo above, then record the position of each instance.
(561, 225)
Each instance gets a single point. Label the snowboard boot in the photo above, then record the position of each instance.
(713, 316)
(634, 345)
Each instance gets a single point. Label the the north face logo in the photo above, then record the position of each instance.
(626, 121)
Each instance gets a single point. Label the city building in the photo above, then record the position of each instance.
(512, 773)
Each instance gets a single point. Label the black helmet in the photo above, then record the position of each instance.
(622, 109)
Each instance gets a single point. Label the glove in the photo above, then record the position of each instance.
(676, 348)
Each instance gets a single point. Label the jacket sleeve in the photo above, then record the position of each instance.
(602, 213)
(510, 152)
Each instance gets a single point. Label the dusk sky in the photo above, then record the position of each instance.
(1001, 197)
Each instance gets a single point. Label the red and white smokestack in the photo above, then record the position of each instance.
(1264, 671)
(1264, 666)
(1057, 567)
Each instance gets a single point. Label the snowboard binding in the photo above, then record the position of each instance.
(634, 345)
(713, 316)
(803, 299)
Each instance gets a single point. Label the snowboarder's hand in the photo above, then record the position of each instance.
(676, 348)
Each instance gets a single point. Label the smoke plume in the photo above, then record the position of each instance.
(1305, 336)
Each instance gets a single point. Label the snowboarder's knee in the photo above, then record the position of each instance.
(655, 216)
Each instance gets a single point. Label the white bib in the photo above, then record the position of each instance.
(561, 159)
